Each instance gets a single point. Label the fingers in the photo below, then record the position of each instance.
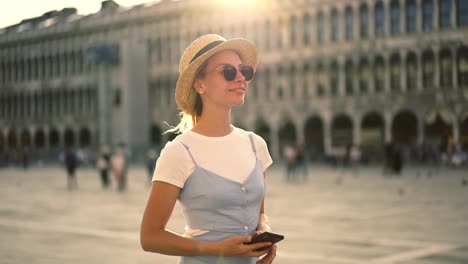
(259, 249)
(256, 233)
(269, 257)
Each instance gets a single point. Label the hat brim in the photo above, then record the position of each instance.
(186, 95)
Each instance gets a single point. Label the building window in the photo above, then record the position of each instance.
(293, 31)
(395, 73)
(349, 23)
(379, 75)
(462, 66)
(292, 81)
(334, 78)
(428, 10)
(364, 76)
(349, 69)
(320, 81)
(364, 21)
(462, 12)
(306, 83)
(335, 25)
(411, 73)
(379, 19)
(445, 9)
(445, 68)
(395, 17)
(428, 69)
(410, 16)
(279, 35)
(320, 28)
(307, 29)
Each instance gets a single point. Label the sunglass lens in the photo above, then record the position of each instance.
(229, 72)
(248, 72)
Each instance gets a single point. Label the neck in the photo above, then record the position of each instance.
(214, 123)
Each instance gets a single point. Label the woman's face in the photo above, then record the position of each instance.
(215, 89)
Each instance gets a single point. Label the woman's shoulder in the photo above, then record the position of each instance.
(173, 148)
(259, 141)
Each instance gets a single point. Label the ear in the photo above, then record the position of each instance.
(198, 86)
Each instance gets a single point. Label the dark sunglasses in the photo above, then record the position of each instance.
(230, 72)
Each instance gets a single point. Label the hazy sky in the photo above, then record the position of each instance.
(13, 11)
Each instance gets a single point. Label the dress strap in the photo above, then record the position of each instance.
(253, 144)
(190, 154)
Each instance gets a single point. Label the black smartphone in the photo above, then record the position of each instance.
(266, 237)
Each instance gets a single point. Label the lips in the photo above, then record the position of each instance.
(239, 89)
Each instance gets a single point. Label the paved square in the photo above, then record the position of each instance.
(365, 219)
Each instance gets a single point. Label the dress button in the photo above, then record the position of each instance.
(243, 188)
(246, 227)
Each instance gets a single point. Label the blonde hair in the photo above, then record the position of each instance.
(189, 119)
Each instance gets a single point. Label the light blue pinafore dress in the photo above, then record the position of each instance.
(222, 207)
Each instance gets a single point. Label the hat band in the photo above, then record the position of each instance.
(205, 49)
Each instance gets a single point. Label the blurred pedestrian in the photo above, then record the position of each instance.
(119, 166)
(25, 157)
(71, 163)
(214, 169)
(355, 159)
(290, 154)
(103, 164)
(301, 162)
(388, 163)
(397, 159)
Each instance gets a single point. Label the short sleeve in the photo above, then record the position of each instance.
(262, 152)
(174, 165)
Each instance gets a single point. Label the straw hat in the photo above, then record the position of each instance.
(197, 53)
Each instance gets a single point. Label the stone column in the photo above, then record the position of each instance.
(356, 88)
(419, 80)
(436, 67)
(453, 51)
(372, 89)
(387, 72)
(403, 71)
(456, 130)
(435, 15)
(341, 76)
(326, 83)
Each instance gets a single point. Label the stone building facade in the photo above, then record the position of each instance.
(332, 73)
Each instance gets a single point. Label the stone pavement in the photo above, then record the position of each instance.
(365, 219)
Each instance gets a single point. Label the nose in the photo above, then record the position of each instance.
(239, 76)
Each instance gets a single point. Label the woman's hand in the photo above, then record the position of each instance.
(235, 246)
(269, 257)
(271, 251)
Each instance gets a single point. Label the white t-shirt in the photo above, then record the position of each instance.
(229, 156)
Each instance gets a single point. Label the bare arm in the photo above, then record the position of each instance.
(155, 238)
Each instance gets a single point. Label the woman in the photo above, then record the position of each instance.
(214, 169)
